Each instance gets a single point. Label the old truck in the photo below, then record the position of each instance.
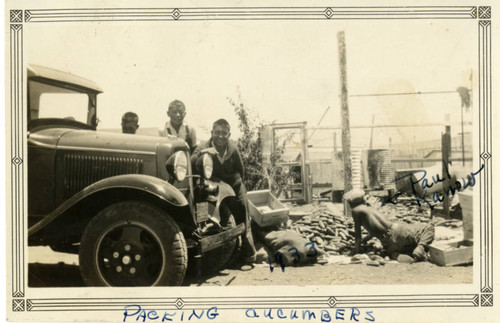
(128, 205)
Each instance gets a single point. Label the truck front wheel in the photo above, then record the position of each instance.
(132, 244)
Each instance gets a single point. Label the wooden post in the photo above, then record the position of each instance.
(346, 134)
(306, 188)
(446, 152)
(344, 113)
(462, 122)
(335, 180)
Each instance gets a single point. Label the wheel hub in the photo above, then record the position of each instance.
(130, 256)
(126, 258)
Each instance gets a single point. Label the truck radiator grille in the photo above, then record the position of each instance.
(83, 170)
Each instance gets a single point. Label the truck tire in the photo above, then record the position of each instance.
(132, 244)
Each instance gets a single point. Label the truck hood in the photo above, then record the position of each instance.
(89, 140)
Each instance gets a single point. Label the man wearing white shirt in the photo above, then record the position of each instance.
(176, 127)
(228, 167)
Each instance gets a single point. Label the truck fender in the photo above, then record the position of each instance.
(152, 185)
(224, 191)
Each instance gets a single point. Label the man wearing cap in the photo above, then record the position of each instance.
(397, 238)
(176, 127)
(228, 167)
(130, 123)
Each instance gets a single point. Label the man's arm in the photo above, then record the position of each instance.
(367, 238)
(239, 163)
(196, 154)
(192, 133)
(195, 157)
(373, 221)
(426, 238)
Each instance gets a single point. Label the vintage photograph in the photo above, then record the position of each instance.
(237, 148)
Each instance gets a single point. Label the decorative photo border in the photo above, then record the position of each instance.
(21, 301)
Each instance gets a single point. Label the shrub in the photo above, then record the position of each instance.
(258, 176)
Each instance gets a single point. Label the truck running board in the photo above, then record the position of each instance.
(217, 240)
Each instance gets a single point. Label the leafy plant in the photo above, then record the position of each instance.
(257, 175)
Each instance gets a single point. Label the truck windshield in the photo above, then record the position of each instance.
(49, 101)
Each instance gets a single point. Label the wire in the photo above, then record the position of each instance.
(403, 93)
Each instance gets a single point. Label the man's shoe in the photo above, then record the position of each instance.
(249, 259)
(419, 253)
(247, 263)
(405, 259)
(247, 267)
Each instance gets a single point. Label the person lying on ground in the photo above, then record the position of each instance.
(397, 238)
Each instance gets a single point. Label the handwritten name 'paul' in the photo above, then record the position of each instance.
(425, 183)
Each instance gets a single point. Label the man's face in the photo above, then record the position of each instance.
(176, 115)
(220, 135)
(129, 127)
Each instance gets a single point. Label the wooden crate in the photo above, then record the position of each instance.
(465, 199)
(448, 255)
(265, 209)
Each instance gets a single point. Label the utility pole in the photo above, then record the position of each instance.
(471, 103)
(446, 152)
(463, 145)
(344, 113)
(466, 99)
(346, 133)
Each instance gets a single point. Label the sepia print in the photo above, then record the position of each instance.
(250, 161)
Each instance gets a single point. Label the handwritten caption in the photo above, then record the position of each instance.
(352, 314)
(278, 256)
(137, 314)
(142, 315)
(426, 183)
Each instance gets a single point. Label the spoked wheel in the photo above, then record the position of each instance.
(132, 244)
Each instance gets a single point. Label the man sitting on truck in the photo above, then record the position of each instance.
(397, 238)
(176, 125)
(228, 167)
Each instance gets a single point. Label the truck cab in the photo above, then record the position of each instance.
(128, 205)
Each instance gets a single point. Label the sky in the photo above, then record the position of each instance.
(284, 71)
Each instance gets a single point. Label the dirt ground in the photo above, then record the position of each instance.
(336, 274)
(53, 269)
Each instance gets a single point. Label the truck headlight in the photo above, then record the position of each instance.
(177, 165)
(208, 166)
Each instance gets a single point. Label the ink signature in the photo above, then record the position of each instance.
(278, 257)
(425, 183)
